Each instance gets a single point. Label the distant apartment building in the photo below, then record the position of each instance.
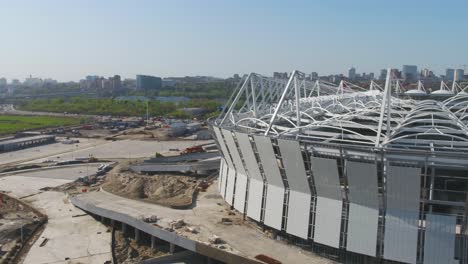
(383, 74)
(314, 76)
(459, 75)
(409, 72)
(168, 82)
(449, 74)
(280, 75)
(147, 82)
(129, 84)
(352, 73)
(49, 81)
(115, 82)
(426, 73)
(32, 81)
(3, 82)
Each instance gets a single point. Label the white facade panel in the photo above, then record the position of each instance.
(326, 178)
(298, 214)
(241, 178)
(362, 180)
(232, 148)
(401, 236)
(254, 202)
(269, 161)
(222, 177)
(231, 177)
(362, 229)
(241, 192)
(224, 149)
(403, 188)
(328, 222)
(294, 165)
(274, 206)
(249, 156)
(439, 242)
(255, 195)
(363, 208)
(402, 215)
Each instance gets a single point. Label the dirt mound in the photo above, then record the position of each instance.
(129, 251)
(168, 189)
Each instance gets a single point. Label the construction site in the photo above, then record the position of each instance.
(356, 175)
(298, 172)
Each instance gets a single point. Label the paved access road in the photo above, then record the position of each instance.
(79, 239)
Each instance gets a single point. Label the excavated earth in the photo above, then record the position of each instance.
(172, 190)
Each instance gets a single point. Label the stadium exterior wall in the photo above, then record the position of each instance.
(352, 203)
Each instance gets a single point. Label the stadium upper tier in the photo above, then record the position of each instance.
(347, 114)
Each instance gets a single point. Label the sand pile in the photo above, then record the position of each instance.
(168, 189)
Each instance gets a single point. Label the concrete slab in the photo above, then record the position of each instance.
(20, 186)
(242, 239)
(51, 150)
(124, 149)
(81, 239)
(28, 183)
(77, 238)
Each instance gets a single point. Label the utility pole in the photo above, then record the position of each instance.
(147, 112)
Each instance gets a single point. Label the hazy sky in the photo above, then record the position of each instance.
(68, 39)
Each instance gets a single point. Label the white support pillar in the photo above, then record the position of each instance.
(239, 94)
(385, 99)
(286, 89)
(171, 248)
(137, 235)
(254, 97)
(297, 92)
(153, 242)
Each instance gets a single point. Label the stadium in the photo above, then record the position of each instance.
(360, 175)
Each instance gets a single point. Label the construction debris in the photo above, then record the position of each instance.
(150, 219)
(216, 240)
(177, 224)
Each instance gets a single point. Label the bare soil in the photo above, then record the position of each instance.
(161, 134)
(172, 190)
(128, 251)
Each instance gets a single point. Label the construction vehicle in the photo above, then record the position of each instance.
(195, 149)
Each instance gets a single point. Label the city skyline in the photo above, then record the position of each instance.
(69, 40)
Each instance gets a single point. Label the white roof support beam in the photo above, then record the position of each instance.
(239, 94)
(385, 101)
(286, 89)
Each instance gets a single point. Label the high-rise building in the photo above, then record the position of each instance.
(147, 82)
(371, 76)
(449, 74)
(32, 81)
(280, 75)
(352, 73)
(314, 76)
(459, 75)
(426, 73)
(3, 82)
(409, 72)
(383, 74)
(116, 82)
